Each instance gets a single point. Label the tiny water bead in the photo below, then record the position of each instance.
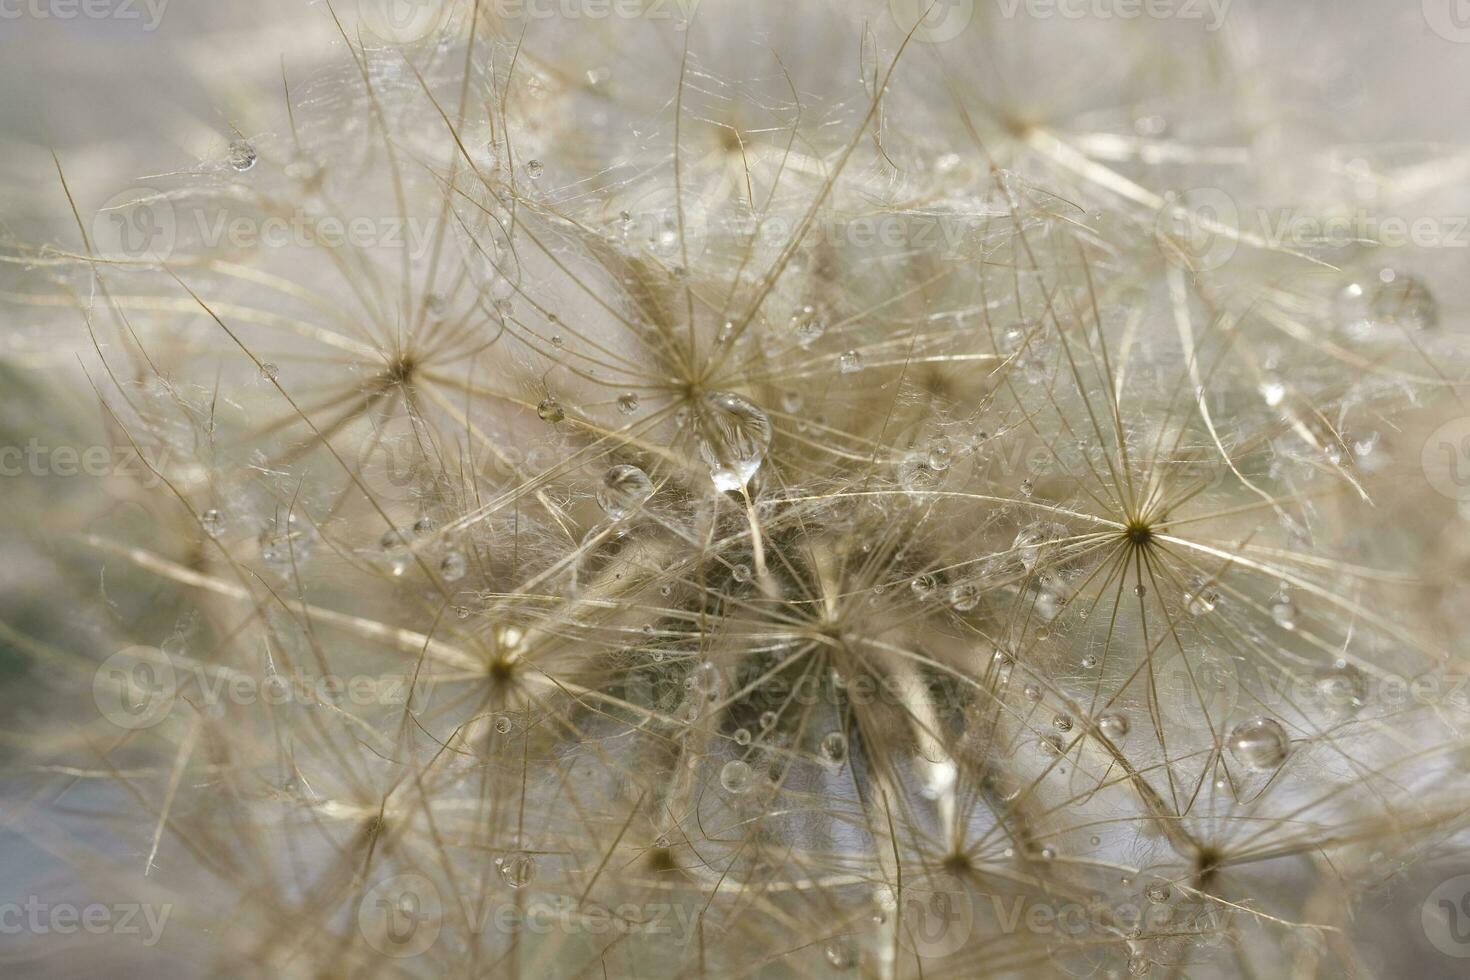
(534, 169)
(964, 597)
(550, 410)
(623, 490)
(740, 573)
(627, 403)
(1032, 541)
(1283, 611)
(923, 586)
(1158, 891)
(1089, 662)
(1201, 601)
(807, 325)
(768, 719)
(941, 453)
(1113, 725)
(452, 566)
(742, 736)
(1404, 302)
(503, 724)
(1342, 686)
(287, 543)
(1260, 744)
(213, 522)
(395, 548)
(518, 870)
(834, 747)
(734, 436)
(269, 371)
(1062, 723)
(735, 776)
(241, 156)
(851, 362)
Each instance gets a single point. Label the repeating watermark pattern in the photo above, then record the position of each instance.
(401, 916)
(403, 22)
(37, 917)
(1211, 12)
(1445, 916)
(145, 227)
(1445, 459)
(38, 459)
(1202, 228)
(148, 14)
(404, 916)
(1450, 19)
(938, 916)
(933, 21)
(139, 686)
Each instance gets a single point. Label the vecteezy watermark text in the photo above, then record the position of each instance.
(37, 917)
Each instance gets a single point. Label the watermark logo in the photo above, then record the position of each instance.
(1450, 19)
(37, 917)
(1211, 12)
(402, 22)
(401, 916)
(938, 916)
(1445, 916)
(138, 687)
(1198, 228)
(933, 21)
(135, 687)
(135, 225)
(1445, 459)
(149, 13)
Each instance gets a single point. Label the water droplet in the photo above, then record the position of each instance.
(850, 362)
(1139, 965)
(1272, 392)
(834, 747)
(623, 490)
(395, 548)
(1062, 723)
(1283, 611)
(1089, 662)
(453, 566)
(705, 678)
(735, 776)
(1158, 891)
(518, 870)
(287, 542)
(1140, 590)
(423, 526)
(964, 597)
(550, 410)
(503, 724)
(839, 956)
(534, 169)
(742, 736)
(1404, 302)
(213, 522)
(1034, 541)
(768, 719)
(916, 475)
(941, 453)
(740, 573)
(734, 436)
(807, 325)
(1027, 488)
(1113, 726)
(1260, 744)
(924, 585)
(1032, 692)
(1342, 687)
(269, 371)
(1202, 601)
(242, 156)
(628, 403)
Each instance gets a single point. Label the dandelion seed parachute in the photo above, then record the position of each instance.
(761, 494)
